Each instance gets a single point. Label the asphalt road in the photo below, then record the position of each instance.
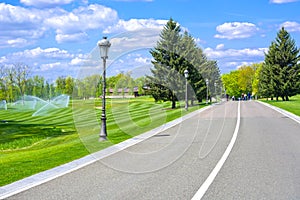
(264, 162)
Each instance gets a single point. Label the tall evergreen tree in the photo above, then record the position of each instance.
(194, 58)
(167, 79)
(173, 54)
(280, 76)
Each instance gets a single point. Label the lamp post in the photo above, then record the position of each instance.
(206, 81)
(104, 45)
(215, 84)
(186, 75)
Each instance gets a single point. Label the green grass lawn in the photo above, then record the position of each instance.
(292, 106)
(29, 145)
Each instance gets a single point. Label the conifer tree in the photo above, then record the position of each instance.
(174, 53)
(166, 82)
(280, 76)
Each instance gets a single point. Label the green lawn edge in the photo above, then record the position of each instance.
(54, 151)
(293, 105)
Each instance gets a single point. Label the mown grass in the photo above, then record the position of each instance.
(292, 106)
(29, 145)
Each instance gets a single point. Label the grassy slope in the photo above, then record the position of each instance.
(29, 145)
(292, 106)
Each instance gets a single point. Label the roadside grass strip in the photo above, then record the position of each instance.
(32, 144)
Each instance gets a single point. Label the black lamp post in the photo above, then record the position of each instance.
(206, 81)
(216, 91)
(104, 45)
(186, 75)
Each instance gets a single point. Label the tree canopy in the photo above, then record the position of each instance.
(280, 74)
(174, 53)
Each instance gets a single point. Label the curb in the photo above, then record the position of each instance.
(290, 115)
(48, 175)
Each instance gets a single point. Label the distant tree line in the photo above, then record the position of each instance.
(174, 53)
(16, 81)
(278, 76)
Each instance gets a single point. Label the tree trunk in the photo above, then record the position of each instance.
(287, 98)
(173, 103)
(173, 98)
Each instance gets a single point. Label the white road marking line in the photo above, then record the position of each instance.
(48, 175)
(204, 187)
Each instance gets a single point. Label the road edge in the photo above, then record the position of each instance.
(48, 175)
(288, 114)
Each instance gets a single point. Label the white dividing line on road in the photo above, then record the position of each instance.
(204, 187)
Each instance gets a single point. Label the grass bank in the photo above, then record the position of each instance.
(29, 145)
(292, 106)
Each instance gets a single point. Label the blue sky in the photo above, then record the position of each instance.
(59, 37)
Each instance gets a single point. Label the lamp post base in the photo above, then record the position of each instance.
(102, 138)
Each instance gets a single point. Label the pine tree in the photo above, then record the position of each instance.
(167, 79)
(280, 76)
(173, 54)
(194, 58)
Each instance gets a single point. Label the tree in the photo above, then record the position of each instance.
(69, 85)
(255, 84)
(3, 89)
(245, 78)
(60, 85)
(21, 75)
(280, 75)
(231, 83)
(193, 60)
(167, 79)
(10, 79)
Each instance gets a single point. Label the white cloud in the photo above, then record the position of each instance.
(49, 66)
(25, 25)
(133, 40)
(74, 24)
(21, 25)
(291, 26)
(135, 24)
(38, 56)
(143, 60)
(231, 59)
(217, 53)
(43, 53)
(219, 46)
(76, 37)
(45, 3)
(282, 1)
(199, 41)
(235, 30)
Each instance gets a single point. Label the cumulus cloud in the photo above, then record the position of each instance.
(231, 59)
(48, 62)
(38, 56)
(236, 30)
(219, 46)
(29, 24)
(135, 24)
(291, 26)
(282, 1)
(19, 25)
(48, 53)
(217, 53)
(74, 24)
(45, 3)
(131, 41)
